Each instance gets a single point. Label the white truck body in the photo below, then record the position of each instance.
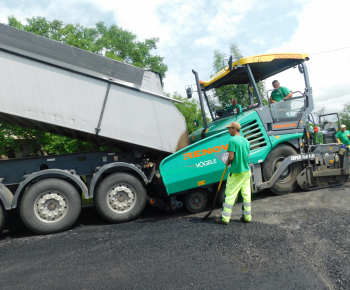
(57, 88)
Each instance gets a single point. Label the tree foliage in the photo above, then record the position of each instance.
(10, 134)
(223, 96)
(345, 115)
(13, 137)
(113, 42)
(190, 109)
(319, 112)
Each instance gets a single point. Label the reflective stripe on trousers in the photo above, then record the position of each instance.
(235, 183)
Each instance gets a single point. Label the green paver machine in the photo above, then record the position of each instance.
(282, 154)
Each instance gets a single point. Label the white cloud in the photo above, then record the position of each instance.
(258, 40)
(137, 16)
(238, 6)
(323, 24)
(204, 41)
(68, 11)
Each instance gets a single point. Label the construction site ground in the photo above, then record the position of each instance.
(296, 241)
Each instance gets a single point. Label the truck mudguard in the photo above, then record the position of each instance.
(108, 168)
(5, 196)
(50, 173)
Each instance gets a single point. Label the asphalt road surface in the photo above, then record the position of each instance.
(296, 241)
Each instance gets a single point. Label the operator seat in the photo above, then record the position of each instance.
(330, 136)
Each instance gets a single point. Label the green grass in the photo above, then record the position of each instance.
(87, 201)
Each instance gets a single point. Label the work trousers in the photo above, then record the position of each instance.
(237, 182)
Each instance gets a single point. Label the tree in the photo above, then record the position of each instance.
(9, 134)
(223, 96)
(319, 112)
(345, 115)
(113, 42)
(190, 109)
(39, 141)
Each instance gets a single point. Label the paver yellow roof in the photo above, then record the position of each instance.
(262, 67)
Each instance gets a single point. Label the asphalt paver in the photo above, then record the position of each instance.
(296, 241)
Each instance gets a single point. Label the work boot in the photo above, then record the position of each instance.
(221, 222)
(244, 221)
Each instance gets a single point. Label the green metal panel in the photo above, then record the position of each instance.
(318, 138)
(203, 162)
(278, 139)
(218, 126)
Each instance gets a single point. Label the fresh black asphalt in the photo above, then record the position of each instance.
(296, 241)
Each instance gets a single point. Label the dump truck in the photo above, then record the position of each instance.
(57, 88)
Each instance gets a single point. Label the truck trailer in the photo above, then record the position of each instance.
(57, 88)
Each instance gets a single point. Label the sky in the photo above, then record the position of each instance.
(191, 30)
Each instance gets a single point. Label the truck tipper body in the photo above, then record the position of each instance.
(50, 86)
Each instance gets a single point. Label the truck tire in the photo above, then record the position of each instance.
(120, 197)
(3, 217)
(50, 206)
(288, 180)
(222, 193)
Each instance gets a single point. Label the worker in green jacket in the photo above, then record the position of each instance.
(280, 93)
(239, 176)
(234, 105)
(343, 135)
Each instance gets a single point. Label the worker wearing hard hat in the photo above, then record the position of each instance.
(343, 135)
(239, 176)
(280, 93)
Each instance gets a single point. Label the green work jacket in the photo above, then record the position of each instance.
(343, 137)
(276, 95)
(241, 148)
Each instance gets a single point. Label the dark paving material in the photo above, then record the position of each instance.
(297, 241)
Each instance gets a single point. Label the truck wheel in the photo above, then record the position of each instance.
(3, 217)
(288, 180)
(196, 201)
(222, 193)
(50, 206)
(120, 197)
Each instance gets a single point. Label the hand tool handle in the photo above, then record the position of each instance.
(216, 196)
(217, 193)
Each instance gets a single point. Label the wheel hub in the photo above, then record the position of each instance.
(197, 200)
(121, 198)
(51, 206)
(285, 176)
